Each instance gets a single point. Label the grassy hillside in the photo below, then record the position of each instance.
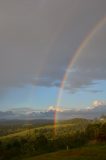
(90, 152)
(70, 134)
(63, 127)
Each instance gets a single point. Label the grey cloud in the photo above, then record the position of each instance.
(90, 67)
(39, 38)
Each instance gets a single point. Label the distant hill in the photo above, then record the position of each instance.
(31, 114)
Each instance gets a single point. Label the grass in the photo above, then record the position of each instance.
(90, 152)
(70, 124)
(25, 132)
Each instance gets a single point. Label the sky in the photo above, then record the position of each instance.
(39, 39)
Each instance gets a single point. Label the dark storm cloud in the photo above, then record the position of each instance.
(38, 38)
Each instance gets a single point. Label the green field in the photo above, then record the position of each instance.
(85, 140)
(90, 152)
(75, 124)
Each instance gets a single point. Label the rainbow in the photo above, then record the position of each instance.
(77, 53)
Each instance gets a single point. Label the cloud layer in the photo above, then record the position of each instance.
(39, 38)
(90, 65)
(97, 109)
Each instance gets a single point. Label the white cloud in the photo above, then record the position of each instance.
(98, 103)
(53, 108)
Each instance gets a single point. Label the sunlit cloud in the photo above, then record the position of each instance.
(98, 103)
(53, 108)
